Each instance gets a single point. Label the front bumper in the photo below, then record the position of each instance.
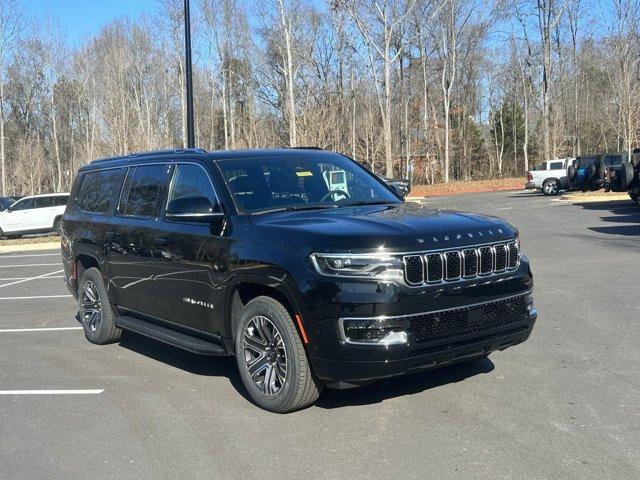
(424, 357)
(437, 333)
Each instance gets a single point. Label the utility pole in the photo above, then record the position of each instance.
(191, 140)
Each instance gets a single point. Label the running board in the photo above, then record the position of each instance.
(178, 339)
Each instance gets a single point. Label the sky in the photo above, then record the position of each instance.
(81, 18)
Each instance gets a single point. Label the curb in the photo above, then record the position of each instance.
(29, 247)
(594, 199)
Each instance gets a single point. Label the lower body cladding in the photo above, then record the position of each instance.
(465, 327)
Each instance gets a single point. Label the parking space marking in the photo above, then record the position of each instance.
(44, 329)
(32, 265)
(30, 278)
(8, 279)
(32, 255)
(35, 297)
(52, 392)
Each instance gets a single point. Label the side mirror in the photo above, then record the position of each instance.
(401, 192)
(192, 209)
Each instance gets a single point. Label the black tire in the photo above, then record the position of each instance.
(95, 314)
(551, 187)
(298, 388)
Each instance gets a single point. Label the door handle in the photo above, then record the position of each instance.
(161, 241)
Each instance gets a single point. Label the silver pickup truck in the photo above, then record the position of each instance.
(550, 176)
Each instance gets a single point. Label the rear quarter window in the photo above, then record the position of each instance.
(98, 190)
(556, 166)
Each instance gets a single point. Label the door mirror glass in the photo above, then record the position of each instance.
(191, 209)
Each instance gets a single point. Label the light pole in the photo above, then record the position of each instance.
(191, 140)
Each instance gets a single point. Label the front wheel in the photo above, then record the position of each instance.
(272, 360)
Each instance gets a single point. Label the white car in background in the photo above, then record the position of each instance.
(36, 214)
(550, 176)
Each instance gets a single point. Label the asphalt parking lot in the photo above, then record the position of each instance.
(564, 405)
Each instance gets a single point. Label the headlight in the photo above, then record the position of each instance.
(351, 265)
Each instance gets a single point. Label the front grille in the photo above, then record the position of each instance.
(464, 321)
(454, 265)
(500, 252)
(486, 260)
(466, 263)
(470, 258)
(513, 254)
(434, 268)
(414, 269)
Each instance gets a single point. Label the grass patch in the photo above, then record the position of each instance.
(475, 186)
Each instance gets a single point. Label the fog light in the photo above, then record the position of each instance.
(379, 331)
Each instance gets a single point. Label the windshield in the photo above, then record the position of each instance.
(301, 182)
(5, 203)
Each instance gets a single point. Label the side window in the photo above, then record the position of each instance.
(60, 201)
(141, 190)
(26, 204)
(44, 202)
(97, 190)
(556, 166)
(192, 181)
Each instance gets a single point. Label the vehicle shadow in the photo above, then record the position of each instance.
(404, 385)
(217, 366)
(225, 366)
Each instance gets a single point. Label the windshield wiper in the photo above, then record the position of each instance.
(311, 206)
(367, 202)
(297, 207)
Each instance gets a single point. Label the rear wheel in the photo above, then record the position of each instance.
(94, 309)
(272, 360)
(551, 187)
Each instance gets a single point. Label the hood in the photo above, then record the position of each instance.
(406, 226)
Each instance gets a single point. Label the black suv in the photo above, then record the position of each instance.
(308, 280)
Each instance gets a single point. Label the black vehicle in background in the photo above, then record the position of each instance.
(586, 173)
(611, 165)
(253, 254)
(630, 176)
(401, 186)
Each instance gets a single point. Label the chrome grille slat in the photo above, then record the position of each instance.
(460, 264)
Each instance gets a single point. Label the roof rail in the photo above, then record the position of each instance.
(177, 151)
(307, 148)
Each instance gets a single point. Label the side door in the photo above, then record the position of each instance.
(20, 217)
(46, 212)
(191, 256)
(129, 239)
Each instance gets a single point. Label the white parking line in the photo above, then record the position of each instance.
(51, 392)
(7, 279)
(30, 278)
(44, 329)
(31, 255)
(32, 265)
(35, 297)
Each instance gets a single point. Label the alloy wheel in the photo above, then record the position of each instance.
(91, 310)
(265, 355)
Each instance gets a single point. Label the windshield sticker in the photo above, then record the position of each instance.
(304, 174)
